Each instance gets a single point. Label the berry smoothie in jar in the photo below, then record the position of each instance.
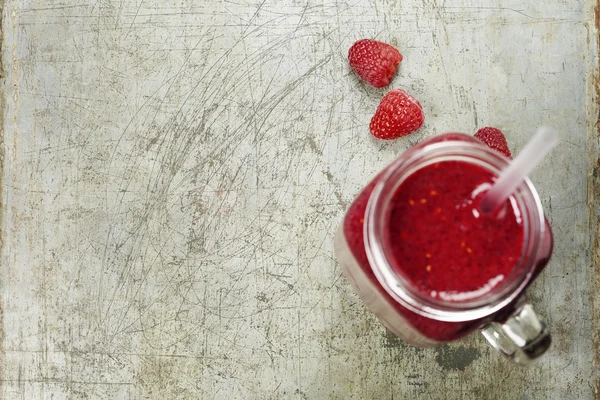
(431, 265)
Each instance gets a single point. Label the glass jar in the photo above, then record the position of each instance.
(502, 314)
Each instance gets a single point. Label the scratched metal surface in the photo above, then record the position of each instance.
(174, 172)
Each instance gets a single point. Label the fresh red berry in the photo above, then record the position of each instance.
(398, 114)
(375, 62)
(495, 140)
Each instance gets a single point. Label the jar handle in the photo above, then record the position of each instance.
(522, 338)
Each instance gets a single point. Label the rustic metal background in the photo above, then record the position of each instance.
(174, 172)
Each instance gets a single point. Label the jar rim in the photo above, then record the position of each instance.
(397, 286)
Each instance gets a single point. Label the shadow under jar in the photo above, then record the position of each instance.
(431, 266)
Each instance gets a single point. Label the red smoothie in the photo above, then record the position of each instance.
(436, 239)
(439, 239)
